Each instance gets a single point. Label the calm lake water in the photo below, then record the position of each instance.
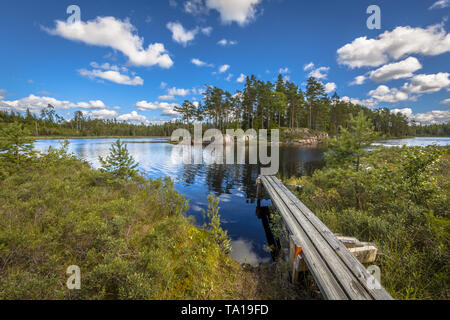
(234, 184)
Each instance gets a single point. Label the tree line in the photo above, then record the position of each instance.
(259, 105)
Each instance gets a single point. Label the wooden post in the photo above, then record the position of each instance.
(259, 191)
(296, 263)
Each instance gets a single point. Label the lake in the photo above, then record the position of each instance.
(234, 184)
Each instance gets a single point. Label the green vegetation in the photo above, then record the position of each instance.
(260, 105)
(398, 198)
(129, 236)
(119, 162)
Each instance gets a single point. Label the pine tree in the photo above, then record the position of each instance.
(351, 145)
(119, 162)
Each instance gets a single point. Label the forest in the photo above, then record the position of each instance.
(260, 105)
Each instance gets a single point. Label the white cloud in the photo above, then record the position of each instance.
(398, 70)
(101, 114)
(165, 107)
(369, 103)
(385, 94)
(116, 34)
(133, 117)
(107, 66)
(37, 103)
(402, 41)
(163, 85)
(309, 66)
(320, 73)
(229, 77)
(2, 92)
(224, 68)
(440, 4)
(207, 31)
(113, 76)
(181, 35)
(330, 87)
(200, 63)
(172, 93)
(195, 7)
(428, 83)
(241, 78)
(178, 92)
(225, 43)
(431, 117)
(240, 11)
(359, 80)
(446, 101)
(166, 97)
(284, 70)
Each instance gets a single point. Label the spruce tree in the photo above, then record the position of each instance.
(119, 162)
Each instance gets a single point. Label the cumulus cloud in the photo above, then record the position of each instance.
(37, 103)
(385, 94)
(195, 7)
(330, 87)
(224, 68)
(431, 117)
(226, 43)
(206, 30)
(284, 70)
(440, 4)
(178, 92)
(446, 101)
(393, 45)
(428, 83)
(113, 76)
(100, 114)
(181, 35)
(200, 63)
(116, 34)
(359, 80)
(133, 117)
(398, 70)
(166, 108)
(241, 78)
(309, 66)
(369, 103)
(320, 73)
(240, 11)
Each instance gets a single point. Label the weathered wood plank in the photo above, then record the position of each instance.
(324, 278)
(339, 248)
(346, 278)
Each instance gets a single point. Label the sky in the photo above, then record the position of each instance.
(135, 60)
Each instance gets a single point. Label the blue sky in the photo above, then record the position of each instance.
(104, 66)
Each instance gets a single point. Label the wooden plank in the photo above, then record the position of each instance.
(361, 273)
(324, 278)
(365, 254)
(346, 278)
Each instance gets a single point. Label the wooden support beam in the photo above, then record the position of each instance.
(296, 262)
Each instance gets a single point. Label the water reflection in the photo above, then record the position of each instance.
(243, 252)
(415, 142)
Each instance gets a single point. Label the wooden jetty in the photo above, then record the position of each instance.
(333, 261)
